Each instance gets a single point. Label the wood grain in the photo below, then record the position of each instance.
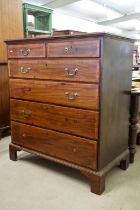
(64, 146)
(68, 120)
(52, 105)
(74, 48)
(26, 50)
(55, 92)
(11, 24)
(4, 97)
(56, 69)
(115, 103)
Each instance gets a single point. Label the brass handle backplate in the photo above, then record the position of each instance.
(71, 96)
(71, 73)
(26, 113)
(68, 49)
(25, 51)
(25, 70)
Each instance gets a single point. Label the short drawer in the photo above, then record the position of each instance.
(26, 50)
(63, 93)
(68, 70)
(67, 147)
(74, 48)
(68, 120)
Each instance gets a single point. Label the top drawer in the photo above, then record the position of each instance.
(76, 48)
(26, 50)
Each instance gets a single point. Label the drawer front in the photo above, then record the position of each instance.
(82, 48)
(70, 94)
(70, 148)
(68, 120)
(69, 70)
(26, 50)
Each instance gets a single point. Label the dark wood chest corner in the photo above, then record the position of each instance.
(67, 101)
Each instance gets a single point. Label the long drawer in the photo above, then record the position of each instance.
(63, 93)
(68, 120)
(70, 148)
(36, 50)
(74, 48)
(70, 70)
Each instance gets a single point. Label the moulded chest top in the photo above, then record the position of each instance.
(51, 37)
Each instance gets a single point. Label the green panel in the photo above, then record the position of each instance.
(42, 22)
(42, 17)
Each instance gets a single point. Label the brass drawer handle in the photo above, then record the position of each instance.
(26, 113)
(71, 73)
(25, 51)
(71, 96)
(25, 70)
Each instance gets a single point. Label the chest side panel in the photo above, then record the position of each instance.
(115, 82)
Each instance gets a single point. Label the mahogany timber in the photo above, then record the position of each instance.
(23, 50)
(64, 146)
(78, 48)
(80, 70)
(68, 120)
(115, 103)
(4, 99)
(11, 26)
(96, 178)
(56, 92)
(13, 152)
(104, 95)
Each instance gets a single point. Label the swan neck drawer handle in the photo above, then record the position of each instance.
(71, 73)
(71, 96)
(26, 113)
(25, 70)
(25, 52)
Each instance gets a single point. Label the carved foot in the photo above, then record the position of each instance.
(97, 182)
(124, 163)
(13, 152)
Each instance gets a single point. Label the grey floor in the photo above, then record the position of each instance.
(33, 183)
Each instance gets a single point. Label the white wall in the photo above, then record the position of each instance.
(63, 22)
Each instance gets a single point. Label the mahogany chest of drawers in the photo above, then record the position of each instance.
(69, 103)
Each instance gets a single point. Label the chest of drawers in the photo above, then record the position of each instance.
(69, 103)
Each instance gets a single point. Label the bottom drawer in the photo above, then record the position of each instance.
(74, 149)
